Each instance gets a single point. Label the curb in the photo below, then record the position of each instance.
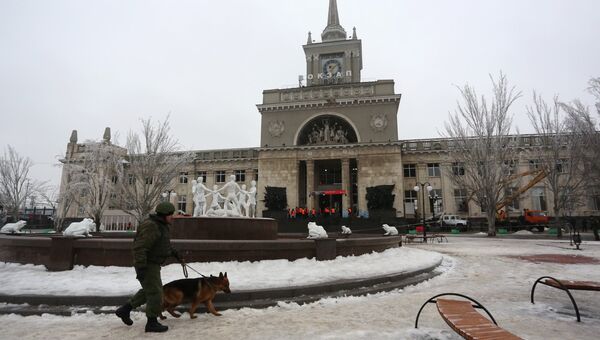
(262, 298)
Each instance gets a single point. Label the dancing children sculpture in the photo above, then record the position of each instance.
(235, 202)
(242, 197)
(198, 192)
(231, 201)
(251, 210)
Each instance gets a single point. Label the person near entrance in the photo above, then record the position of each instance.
(151, 247)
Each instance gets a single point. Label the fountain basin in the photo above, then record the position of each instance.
(62, 253)
(223, 228)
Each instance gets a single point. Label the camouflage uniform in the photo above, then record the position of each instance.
(151, 247)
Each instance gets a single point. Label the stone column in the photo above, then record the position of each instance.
(310, 183)
(345, 186)
(361, 187)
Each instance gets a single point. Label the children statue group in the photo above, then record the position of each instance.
(231, 200)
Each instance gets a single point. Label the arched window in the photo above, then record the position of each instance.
(327, 129)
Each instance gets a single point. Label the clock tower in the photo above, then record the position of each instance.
(337, 59)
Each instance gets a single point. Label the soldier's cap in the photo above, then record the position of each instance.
(165, 208)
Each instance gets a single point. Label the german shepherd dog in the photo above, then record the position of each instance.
(196, 291)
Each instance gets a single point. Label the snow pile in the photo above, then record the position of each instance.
(523, 232)
(110, 281)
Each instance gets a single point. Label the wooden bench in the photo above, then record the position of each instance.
(411, 237)
(437, 237)
(567, 285)
(429, 238)
(462, 317)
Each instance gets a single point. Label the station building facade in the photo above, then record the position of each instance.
(331, 138)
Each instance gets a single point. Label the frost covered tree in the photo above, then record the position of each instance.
(16, 185)
(481, 137)
(560, 155)
(60, 201)
(154, 162)
(92, 181)
(582, 122)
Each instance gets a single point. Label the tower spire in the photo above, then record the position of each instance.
(333, 31)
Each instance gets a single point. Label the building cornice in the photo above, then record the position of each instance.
(331, 102)
(330, 146)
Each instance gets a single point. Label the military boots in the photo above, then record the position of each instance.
(123, 312)
(155, 327)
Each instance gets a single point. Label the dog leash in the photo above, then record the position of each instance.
(185, 266)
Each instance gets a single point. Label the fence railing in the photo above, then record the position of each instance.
(119, 223)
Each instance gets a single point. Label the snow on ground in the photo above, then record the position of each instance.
(480, 268)
(111, 281)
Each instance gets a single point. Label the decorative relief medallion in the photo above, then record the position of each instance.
(276, 128)
(379, 122)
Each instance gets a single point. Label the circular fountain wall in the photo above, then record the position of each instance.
(198, 239)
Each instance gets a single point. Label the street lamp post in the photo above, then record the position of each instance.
(434, 200)
(421, 187)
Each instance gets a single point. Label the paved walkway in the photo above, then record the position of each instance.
(489, 270)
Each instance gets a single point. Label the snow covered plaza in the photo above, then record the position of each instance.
(489, 270)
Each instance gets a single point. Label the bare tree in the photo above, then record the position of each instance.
(92, 178)
(560, 156)
(16, 186)
(481, 137)
(153, 164)
(594, 89)
(585, 127)
(59, 201)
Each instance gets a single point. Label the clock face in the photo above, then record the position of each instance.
(332, 66)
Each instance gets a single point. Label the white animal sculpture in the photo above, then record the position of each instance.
(316, 231)
(12, 228)
(82, 228)
(390, 231)
(346, 230)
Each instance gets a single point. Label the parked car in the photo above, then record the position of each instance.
(453, 221)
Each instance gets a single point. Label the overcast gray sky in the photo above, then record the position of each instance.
(86, 65)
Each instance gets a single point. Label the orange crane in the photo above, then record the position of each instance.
(539, 176)
(530, 216)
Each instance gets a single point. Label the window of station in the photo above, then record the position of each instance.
(460, 200)
(201, 174)
(330, 174)
(240, 175)
(433, 170)
(220, 176)
(410, 170)
(183, 177)
(458, 169)
(182, 203)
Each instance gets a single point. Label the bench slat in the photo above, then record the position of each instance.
(575, 285)
(470, 324)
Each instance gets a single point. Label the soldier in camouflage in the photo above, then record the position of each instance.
(151, 247)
